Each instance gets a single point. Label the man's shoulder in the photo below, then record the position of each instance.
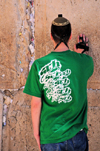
(84, 56)
(43, 59)
(89, 58)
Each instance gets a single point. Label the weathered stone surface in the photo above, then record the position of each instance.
(94, 119)
(94, 98)
(84, 17)
(13, 48)
(8, 100)
(94, 128)
(1, 111)
(18, 133)
(40, 28)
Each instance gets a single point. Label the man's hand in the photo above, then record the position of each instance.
(85, 39)
(37, 137)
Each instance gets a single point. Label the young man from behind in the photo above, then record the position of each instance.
(58, 85)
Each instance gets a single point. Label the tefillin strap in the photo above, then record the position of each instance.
(61, 40)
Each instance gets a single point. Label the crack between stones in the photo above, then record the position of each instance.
(90, 89)
(94, 107)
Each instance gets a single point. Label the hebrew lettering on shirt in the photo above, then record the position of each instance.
(56, 82)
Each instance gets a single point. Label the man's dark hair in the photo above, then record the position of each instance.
(61, 32)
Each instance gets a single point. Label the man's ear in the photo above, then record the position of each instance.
(51, 36)
(70, 37)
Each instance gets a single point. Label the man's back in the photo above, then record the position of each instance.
(60, 79)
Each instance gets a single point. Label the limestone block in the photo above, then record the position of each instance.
(84, 17)
(94, 98)
(13, 48)
(40, 28)
(18, 133)
(94, 128)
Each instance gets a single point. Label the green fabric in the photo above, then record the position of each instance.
(60, 79)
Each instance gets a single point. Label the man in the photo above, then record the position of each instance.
(58, 85)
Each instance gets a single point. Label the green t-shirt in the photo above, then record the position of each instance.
(60, 79)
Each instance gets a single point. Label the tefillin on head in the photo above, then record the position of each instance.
(60, 21)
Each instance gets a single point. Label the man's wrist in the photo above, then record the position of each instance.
(36, 134)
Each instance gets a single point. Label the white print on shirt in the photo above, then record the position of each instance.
(56, 82)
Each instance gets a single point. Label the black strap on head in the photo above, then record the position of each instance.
(61, 40)
(60, 43)
(57, 45)
(60, 21)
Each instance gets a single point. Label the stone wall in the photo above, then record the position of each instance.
(17, 55)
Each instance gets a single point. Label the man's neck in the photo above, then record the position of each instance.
(61, 47)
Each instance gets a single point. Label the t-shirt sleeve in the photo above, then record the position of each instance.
(33, 86)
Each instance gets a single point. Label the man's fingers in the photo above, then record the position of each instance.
(78, 39)
(83, 37)
(87, 41)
